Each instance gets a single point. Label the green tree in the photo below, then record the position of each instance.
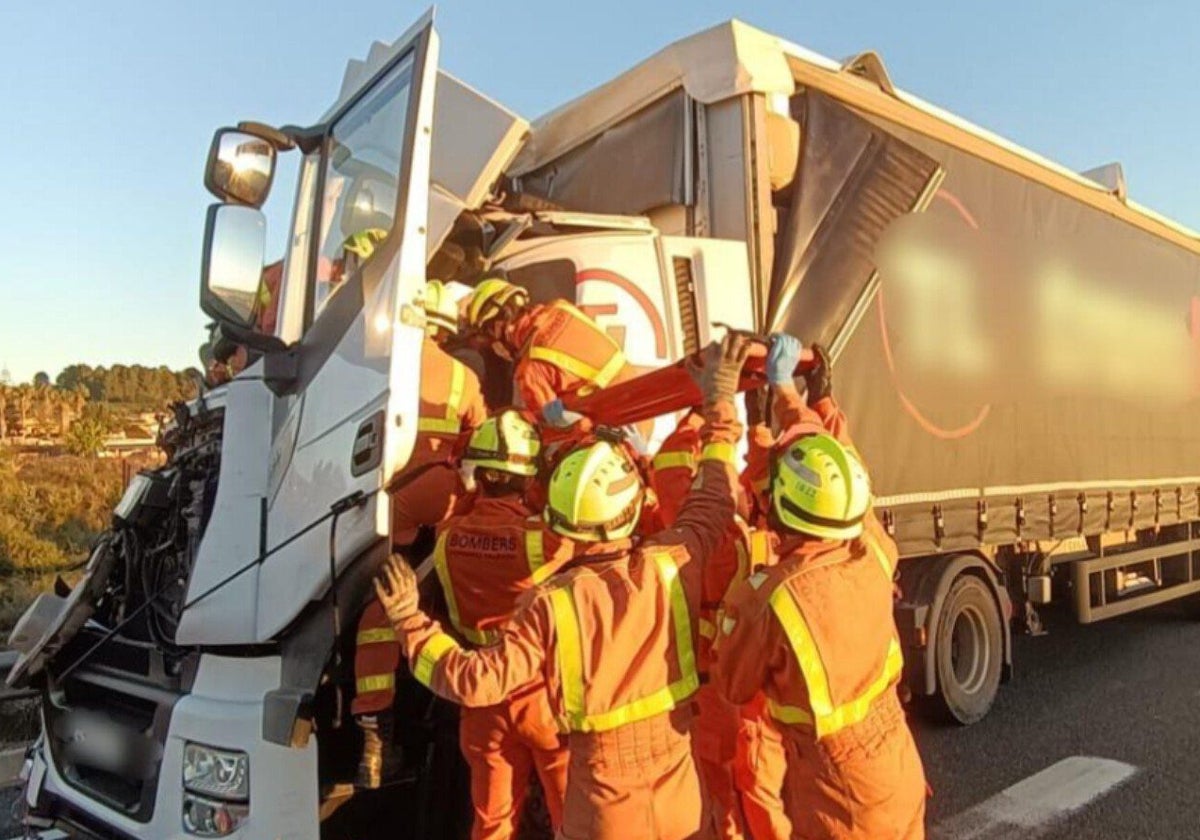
(41, 379)
(86, 437)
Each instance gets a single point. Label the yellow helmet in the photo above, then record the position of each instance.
(489, 299)
(506, 442)
(363, 243)
(820, 487)
(441, 310)
(595, 494)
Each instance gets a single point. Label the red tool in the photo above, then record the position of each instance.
(666, 390)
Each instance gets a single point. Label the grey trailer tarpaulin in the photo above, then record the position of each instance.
(1027, 367)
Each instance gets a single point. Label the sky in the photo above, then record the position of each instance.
(108, 109)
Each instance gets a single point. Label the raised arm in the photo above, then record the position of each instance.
(710, 504)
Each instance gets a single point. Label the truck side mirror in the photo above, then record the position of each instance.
(240, 167)
(235, 239)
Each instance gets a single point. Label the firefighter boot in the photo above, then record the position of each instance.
(380, 758)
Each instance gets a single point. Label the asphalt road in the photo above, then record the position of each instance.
(1127, 689)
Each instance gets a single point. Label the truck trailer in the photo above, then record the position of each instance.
(1016, 348)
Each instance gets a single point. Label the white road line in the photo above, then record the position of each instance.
(1033, 805)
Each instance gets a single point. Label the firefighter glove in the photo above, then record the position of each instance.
(818, 379)
(396, 586)
(557, 415)
(720, 368)
(782, 358)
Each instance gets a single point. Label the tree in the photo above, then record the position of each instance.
(41, 379)
(4, 393)
(86, 437)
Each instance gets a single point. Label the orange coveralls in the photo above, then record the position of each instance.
(562, 352)
(487, 555)
(451, 406)
(816, 635)
(612, 637)
(715, 727)
(759, 760)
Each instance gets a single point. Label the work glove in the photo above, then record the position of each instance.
(756, 406)
(396, 586)
(720, 368)
(557, 415)
(782, 358)
(818, 379)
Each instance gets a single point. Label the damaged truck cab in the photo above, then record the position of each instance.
(196, 681)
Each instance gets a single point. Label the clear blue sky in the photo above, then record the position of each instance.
(108, 108)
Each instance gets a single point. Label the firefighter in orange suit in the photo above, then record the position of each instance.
(491, 551)
(716, 724)
(611, 634)
(557, 350)
(815, 633)
(451, 406)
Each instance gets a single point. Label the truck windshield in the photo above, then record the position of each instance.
(363, 171)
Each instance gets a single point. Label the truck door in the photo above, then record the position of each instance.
(346, 423)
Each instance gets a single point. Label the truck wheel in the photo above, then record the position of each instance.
(969, 652)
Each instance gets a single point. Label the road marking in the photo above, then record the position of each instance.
(1032, 806)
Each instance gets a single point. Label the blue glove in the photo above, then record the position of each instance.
(782, 358)
(558, 416)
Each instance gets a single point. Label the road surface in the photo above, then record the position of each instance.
(1124, 692)
(1104, 720)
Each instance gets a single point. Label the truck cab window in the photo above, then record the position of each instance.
(362, 172)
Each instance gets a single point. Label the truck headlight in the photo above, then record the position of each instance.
(223, 774)
(210, 818)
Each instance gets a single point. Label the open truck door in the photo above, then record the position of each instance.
(342, 418)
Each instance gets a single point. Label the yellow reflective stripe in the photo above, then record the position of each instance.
(376, 682)
(479, 637)
(611, 368)
(789, 714)
(570, 661)
(660, 701)
(726, 452)
(824, 717)
(760, 548)
(570, 655)
(679, 613)
(566, 362)
(707, 629)
(375, 635)
(881, 555)
(795, 627)
(670, 460)
(432, 651)
(442, 567)
(448, 424)
(535, 554)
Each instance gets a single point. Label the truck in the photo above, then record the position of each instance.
(1015, 344)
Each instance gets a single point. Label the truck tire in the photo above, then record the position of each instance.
(969, 652)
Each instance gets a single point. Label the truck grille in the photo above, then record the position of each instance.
(106, 728)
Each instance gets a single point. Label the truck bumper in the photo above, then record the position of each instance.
(224, 709)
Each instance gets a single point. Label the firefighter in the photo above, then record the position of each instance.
(611, 634)
(451, 405)
(759, 760)
(815, 633)
(716, 724)
(556, 349)
(487, 554)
